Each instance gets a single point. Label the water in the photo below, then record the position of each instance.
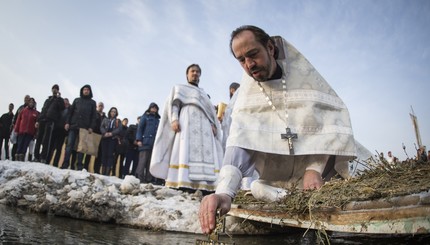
(23, 227)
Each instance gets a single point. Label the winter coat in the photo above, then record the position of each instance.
(26, 121)
(99, 120)
(82, 112)
(147, 130)
(20, 108)
(115, 128)
(64, 115)
(5, 123)
(131, 137)
(121, 148)
(51, 110)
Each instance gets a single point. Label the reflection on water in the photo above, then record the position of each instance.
(23, 227)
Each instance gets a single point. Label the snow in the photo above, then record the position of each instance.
(83, 195)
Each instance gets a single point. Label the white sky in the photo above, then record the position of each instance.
(375, 54)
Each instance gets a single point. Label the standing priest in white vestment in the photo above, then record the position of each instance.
(187, 151)
(287, 123)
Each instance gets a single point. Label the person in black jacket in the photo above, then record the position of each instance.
(132, 154)
(5, 130)
(111, 128)
(60, 138)
(49, 124)
(121, 148)
(82, 114)
(100, 116)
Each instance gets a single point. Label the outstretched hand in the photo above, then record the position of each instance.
(208, 208)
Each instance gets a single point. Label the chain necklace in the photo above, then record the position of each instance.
(289, 136)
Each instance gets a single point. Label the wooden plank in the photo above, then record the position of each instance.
(398, 220)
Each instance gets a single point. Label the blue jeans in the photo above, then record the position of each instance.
(71, 139)
(23, 142)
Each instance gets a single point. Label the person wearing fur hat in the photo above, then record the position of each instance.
(145, 137)
(82, 114)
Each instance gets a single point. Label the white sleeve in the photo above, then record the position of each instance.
(175, 112)
(317, 163)
(229, 181)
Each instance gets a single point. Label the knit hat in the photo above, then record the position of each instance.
(56, 87)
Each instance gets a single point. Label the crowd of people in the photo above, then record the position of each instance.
(52, 135)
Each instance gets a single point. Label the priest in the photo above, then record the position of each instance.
(187, 151)
(288, 124)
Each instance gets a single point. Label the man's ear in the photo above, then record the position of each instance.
(271, 48)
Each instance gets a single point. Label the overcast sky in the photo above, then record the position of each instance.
(375, 54)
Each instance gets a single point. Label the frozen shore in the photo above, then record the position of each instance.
(83, 195)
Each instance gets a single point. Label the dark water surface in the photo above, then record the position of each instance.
(19, 226)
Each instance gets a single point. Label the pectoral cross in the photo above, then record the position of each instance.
(289, 136)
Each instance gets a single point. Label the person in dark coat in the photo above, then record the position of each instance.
(111, 128)
(145, 138)
(100, 116)
(82, 114)
(60, 139)
(121, 148)
(49, 124)
(5, 130)
(132, 154)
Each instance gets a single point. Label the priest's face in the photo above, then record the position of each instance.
(257, 60)
(193, 75)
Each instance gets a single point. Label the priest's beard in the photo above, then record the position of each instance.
(264, 71)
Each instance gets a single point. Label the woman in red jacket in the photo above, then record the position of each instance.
(25, 127)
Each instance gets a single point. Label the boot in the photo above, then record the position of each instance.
(106, 171)
(30, 157)
(65, 165)
(21, 157)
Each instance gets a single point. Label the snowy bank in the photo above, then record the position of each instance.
(83, 195)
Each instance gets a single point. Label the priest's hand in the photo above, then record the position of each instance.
(312, 180)
(208, 208)
(175, 126)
